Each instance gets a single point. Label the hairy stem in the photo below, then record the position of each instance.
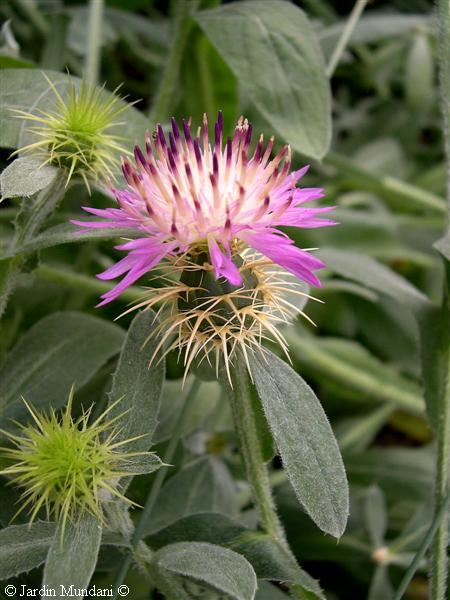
(439, 558)
(346, 35)
(141, 527)
(251, 450)
(92, 65)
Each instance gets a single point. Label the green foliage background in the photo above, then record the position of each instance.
(373, 135)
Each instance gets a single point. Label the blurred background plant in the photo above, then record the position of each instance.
(375, 140)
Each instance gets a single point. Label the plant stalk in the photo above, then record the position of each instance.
(251, 450)
(439, 558)
(182, 26)
(139, 532)
(353, 19)
(92, 65)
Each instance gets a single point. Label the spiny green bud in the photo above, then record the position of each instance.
(67, 466)
(76, 136)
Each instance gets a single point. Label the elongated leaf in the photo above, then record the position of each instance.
(376, 515)
(267, 591)
(380, 586)
(305, 441)
(402, 473)
(24, 177)
(371, 28)
(206, 400)
(275, 38)
(220, 568)
(138, 383)
(353, 367)
(64, 349)
(430, 324)
(23, 548)
(268, 558)
(203, 485)
(67, 234)
(142, 464)
(356, 433)
(72, 560)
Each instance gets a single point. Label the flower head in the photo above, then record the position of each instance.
(75, 136)
(67, 466)
(210, 214)
(193, 196)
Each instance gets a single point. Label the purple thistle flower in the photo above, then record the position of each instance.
(186, 195)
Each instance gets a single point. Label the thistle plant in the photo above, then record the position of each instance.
(67, 465)
(210, 213)
(75, 136)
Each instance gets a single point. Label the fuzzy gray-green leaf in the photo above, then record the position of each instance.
(275, 37)
(220, 568)
(61, 350)
(24, 177)
(138, 383)
(23, 548)
(305, 441)
(72, 559)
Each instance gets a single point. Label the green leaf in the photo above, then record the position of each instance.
(376, 515)
(430, 325)
(371, 28)
(443, 245)
(204, 485)
(220, 568)
(283, 73)
(402, 473)
(269, 559)
(305, 441)
(142, 464)
(350, 365)
(356, 433)
(138, 384)
(66, 233)
(380, 586)
(267, 591)
(373, 275)
(419, 73)
(23, 548)
(72, 559)
(205, 402)
(61, 350)
(25, 177)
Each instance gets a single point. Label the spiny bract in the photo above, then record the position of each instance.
(75, 135)
(67, 465)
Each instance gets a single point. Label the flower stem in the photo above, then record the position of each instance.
(182, 26)
(439, 558)
(346, 35)
(139, 532)
(92, 65)
(252, 454)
